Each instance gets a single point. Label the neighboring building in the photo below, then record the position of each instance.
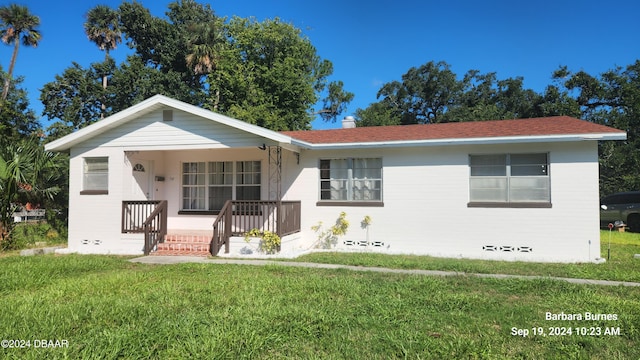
(509, 189)
(26, 215)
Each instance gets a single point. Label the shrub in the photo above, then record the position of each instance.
(328, 238)
(28, 234)
(269, 241)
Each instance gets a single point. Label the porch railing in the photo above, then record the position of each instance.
(148, 217)
(239, 216)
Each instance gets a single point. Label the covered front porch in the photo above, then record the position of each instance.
(237, 217)
(164, 165)
(197, 200)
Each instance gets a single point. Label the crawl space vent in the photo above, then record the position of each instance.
(508, 248)
(363, 243)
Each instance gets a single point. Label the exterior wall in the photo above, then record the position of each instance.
(95, 220)
(425, 194)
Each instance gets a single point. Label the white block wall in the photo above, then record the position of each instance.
(425, 195)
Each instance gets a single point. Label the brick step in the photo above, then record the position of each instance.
(183, 246)
(186, 244)
(179, 253)
(194, 239)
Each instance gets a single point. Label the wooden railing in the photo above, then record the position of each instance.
(148, 217)
(289, 221)
(239, 216)
(135, 213)
(222, 229)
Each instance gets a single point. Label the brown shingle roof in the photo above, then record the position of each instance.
(556, 125)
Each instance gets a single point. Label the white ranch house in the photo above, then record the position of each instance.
(167, 177)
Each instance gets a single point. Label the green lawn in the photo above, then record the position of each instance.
(621, 266)
(105, 307)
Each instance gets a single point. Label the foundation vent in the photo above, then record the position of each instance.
(363, 243)
(508, 248)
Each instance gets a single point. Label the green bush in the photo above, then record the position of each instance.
(28, 234)
(269, 241)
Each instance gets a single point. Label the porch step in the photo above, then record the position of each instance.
(184, 244)
(187, 238)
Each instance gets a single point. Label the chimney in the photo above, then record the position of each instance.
(348, 122)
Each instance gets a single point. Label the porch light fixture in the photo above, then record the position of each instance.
(263, 147)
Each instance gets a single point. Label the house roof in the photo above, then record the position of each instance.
(549, 129)
(556, 128)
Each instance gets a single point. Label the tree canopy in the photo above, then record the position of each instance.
(281, 77)
(613, 99)
(267, 73)
(17, 119)
(433, 93)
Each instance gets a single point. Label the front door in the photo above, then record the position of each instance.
(142, 174)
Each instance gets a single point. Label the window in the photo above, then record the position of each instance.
(220, 184)
(248, 180)
(352, 180)
(207, 186)
(515, 179)
(95, 176)
(193, 186)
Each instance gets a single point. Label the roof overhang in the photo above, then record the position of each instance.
(463, 141)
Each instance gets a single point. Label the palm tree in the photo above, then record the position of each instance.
(17, 24)
(103, 28)
(206, 42)
(27, 173)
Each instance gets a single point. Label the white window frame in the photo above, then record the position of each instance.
(349, 182)
(209, 183)
(194, 179)
(95, 175)
(530, 186)
(249, 176)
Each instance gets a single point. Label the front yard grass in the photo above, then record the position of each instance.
(622, 265)
(106, 308)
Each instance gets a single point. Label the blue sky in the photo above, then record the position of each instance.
(374, 42)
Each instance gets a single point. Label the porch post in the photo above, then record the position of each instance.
(279, 218)
(228, 218)
(275, 173)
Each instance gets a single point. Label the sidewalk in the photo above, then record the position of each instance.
(166, 260)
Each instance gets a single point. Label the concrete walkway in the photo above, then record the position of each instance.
(166, 260)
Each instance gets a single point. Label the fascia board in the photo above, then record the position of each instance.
(466, 141)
